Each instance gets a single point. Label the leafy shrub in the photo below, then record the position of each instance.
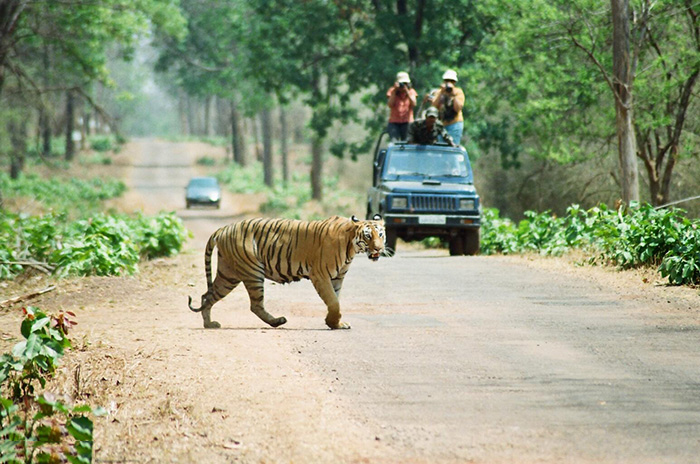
(682, 263)
(72, 195)
(630, 237)
(102, 245)
(101, 143)
(238, 179)
(34, 426)
(161, 235)
(498, 235)
(206, 161)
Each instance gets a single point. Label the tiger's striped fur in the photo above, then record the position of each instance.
(285, 250)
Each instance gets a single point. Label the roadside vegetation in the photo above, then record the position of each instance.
(38, 426)
(72, 236)
(290, 199)
(638, 236)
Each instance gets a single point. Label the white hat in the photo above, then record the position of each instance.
(403, 77)
(450, 74)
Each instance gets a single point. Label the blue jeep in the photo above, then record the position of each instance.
(426, 191)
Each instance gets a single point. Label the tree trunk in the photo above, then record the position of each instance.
(256, 139)
(622, 89)
(207, 116)
(45, 131)
(70, 125)
(268, 168)
(284, 146)
(316, 141)
(237, 143)
(182, 112)
(44, 114)
(316, 168)
(18, 139)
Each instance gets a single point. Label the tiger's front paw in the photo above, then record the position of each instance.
(212, 325)
(339, 325)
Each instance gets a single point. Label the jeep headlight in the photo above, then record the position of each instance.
(466, 203)
(213, 197)
(399, 202)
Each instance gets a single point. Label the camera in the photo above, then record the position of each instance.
(448, 88)
(403, 85)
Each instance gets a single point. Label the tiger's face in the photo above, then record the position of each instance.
(370, 237)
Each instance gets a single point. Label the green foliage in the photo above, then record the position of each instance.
(101, 143)
(629, 238)
(38, 427)
(290, 200)
(75, 195)
(159, 236)
(101, 245)
(206, 161)
(238, 179)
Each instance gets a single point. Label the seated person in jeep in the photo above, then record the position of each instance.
(426, 131)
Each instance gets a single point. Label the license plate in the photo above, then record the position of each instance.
(432, 219)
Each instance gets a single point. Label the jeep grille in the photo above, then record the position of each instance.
(433, 203)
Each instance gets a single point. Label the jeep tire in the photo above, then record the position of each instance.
(471, 242)
(391, 239)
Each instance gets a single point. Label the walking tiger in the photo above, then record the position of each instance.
(285, 250)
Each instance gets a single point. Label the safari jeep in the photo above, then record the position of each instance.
(426, 191)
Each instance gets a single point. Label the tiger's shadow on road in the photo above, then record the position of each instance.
(263, 329)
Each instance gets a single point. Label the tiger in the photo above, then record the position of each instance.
(286, 250)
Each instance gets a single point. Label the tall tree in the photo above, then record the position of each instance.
(551, 85)
(623, 78)
(79, 34)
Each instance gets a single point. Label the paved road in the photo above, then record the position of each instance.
(487, 359)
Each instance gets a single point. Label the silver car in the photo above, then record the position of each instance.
(203, 191)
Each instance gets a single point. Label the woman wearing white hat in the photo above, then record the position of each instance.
(402, 99)
(449, 101)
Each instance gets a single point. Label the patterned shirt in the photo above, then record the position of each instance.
(418, 133)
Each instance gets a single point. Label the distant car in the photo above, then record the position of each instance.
(203, 191)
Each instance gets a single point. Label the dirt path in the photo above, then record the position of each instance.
(449, 360)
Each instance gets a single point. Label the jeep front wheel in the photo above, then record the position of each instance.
(391, 239)
(471, 242)
(456, 245)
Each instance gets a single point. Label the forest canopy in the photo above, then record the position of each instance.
(542, 81)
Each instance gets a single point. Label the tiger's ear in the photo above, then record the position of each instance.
(377, 217)
(354, 218)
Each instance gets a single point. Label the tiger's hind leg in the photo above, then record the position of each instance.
(223, 284)
(256, 292)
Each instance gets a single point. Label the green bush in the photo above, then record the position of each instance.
(35, 426)
(631, 237)
(102, 245)
(161, 235)
(101, 143)
(81, 195)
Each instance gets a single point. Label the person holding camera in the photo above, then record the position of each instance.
(402, 100)
(449, 100)
(428, 131)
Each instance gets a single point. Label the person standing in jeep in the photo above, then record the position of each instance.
(402, 101)
(449, 101)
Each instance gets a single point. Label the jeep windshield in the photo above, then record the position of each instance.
(419, 165)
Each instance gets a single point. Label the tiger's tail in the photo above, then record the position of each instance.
(207, 270)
